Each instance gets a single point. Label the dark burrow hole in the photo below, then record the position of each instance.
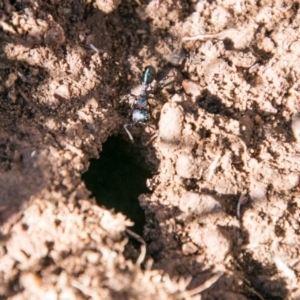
(118, 177)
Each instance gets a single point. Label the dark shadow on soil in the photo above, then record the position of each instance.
(118, 178)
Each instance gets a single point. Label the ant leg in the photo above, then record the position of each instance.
(128, 132)
(154, 136)
(148, 125)
(152, 139)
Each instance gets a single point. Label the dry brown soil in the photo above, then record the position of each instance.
(224, 141)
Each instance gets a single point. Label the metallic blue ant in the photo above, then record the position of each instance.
(139, 114)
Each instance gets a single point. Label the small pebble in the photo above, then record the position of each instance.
(107, 6)
(171, 123)
(55, 36)
(189, 248)
(191, 88)
(93, 257)
(63, 91)
(12, 77)
(257, 119)
(198, 204)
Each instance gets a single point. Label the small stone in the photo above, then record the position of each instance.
(93, 257)
(257, 119)
(81, 37)
(107, 6)
(68, 155)
(55, 35)
(170, 123)
(176, 98)
(191, 88)
(92, 102)
(12, 77)
(198, 204)
(189, 248)
(63, 91)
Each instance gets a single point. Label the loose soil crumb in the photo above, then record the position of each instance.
(224, 125)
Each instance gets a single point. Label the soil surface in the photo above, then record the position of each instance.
(222, 141)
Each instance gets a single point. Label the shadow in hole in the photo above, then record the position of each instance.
(118, 178)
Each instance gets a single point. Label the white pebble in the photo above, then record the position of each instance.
(171, 123)
(63, 91)
(198, 203)
(191, 88)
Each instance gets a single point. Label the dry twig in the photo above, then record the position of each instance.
(206, 285)
(143, 245)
